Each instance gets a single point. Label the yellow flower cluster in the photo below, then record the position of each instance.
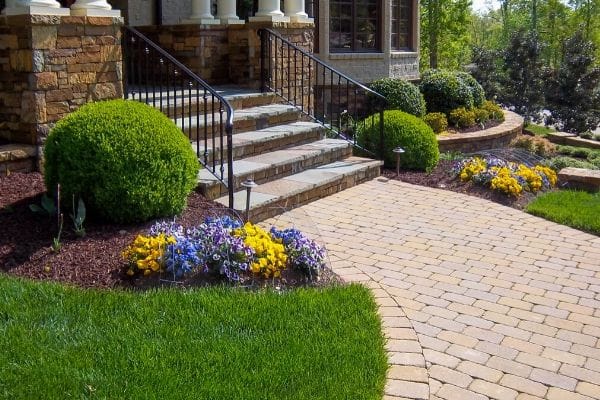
(505, 182)
(549, 172)
(476, 166)
(271, 258)
(534, 180)
(146, 253)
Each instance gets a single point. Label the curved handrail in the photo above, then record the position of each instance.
(196, 107)
(324, 94)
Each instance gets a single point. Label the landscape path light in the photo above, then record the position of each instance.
(398, 151)
(249, 184)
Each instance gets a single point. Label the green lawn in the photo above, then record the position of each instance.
(58, 342)
(577, 209)
(539, 130)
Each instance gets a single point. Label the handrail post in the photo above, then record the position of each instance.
(381, 134)
(230, 177)
(263, 51)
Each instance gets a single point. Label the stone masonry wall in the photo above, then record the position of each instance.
(50, 66)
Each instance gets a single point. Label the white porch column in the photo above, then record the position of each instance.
(44, 7)
(295, 10)
(94, 8)
(201, 13)
(226, 12)
(268, 10)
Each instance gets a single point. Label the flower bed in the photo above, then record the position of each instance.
(224, 247)
(505, 176)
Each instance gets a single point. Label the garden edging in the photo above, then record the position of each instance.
(491, 138)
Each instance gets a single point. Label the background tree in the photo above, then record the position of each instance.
(573, 94)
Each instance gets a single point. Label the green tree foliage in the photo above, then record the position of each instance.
(522, 86)
(573, 91)
(445, 33)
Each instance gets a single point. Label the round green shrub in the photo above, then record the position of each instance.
(462, 118)
(436, 121)
(481, 116)
(476, 89)
(401, 95)
(445, 91)
(126, 160)
(404, 130)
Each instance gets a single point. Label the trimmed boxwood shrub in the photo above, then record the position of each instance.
(125, 159)
(401, 95)
(445, 91)
(494, 110)
(436, 121)
(462, 118)
(404, 130)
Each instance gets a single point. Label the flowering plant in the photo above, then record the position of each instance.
(270, 257)
(304, 254)
(508, 177)
(146, 253)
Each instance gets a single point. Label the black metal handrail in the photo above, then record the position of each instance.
(321, 92)
(155, 77)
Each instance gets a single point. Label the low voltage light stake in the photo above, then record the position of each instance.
(398, 151)
(248, 184)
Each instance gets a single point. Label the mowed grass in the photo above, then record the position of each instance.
(576, 209)
(58, 342)
(539, 130)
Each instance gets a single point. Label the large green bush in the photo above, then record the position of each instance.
(125, 159)
(404, 130)
(445, 91)
(401, 95)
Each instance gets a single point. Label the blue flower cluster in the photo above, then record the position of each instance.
(208, 247)
(304, 254)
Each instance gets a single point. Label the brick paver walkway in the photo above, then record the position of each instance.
(478, 300)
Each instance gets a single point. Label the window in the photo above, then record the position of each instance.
(354, 26)
(401, 24)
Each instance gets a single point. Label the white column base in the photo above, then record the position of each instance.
(269, 18)
(95, 12)
(232, 21)
(201, 21)
(36, 10)
(301, 19)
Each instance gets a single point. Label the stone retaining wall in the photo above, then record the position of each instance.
(50, 66)
(491, 138)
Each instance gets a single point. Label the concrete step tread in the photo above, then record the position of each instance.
(17, 151)
(276, 158)
(273, 191)
(266, 111)
(266, 134)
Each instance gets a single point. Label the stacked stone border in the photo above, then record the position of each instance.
(492, 138)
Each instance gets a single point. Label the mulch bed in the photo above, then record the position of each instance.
(94, 260)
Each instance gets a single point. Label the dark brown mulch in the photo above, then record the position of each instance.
(443, 178)
(94, 260)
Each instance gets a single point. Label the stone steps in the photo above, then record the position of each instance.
(247, 119)
(278, 196)
(276, 164)
(251, 143)
(16, 157)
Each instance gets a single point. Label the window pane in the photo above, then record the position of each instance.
(401, 24)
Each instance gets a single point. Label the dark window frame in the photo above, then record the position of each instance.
(397, 35)
(354, 33)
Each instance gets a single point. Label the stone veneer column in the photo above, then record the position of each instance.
(94, 8)
(294, 9)
(50, 66)
(34, 7)
(268, 10)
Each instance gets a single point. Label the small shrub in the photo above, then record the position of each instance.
(586, 135)
(481, 116)
(401, 95)
(597, 136)
(126, 160)
(445, 91)
(462, 118)
(407, 131)
(558, 163)
(580, 152)
(494, 110)
(437, 121)
(534, 144)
